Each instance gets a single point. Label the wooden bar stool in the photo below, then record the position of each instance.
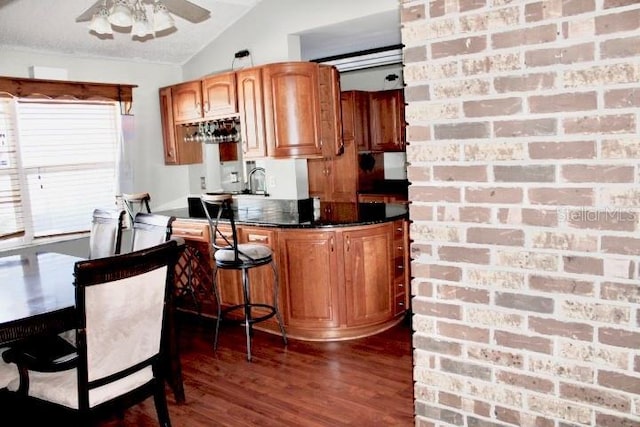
(229, 254)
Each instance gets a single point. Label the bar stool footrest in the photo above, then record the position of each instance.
(269, 315)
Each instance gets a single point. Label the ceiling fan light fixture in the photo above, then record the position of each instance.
(100, 21)
(121, 15)
(162, 19)
(141, 26)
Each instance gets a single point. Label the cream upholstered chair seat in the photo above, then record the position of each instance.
(246, 252)
(8, 371)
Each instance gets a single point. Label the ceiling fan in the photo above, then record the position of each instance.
(182, 8)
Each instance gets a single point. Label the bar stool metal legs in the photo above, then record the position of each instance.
(247, 307)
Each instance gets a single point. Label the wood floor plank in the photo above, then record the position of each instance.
(364, 382)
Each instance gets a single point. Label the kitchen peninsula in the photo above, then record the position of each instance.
(343, 269)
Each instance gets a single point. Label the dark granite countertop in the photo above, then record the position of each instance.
(330, 214)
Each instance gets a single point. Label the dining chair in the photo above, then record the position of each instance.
(230, 254)
(150, 230)
(105, 238)
(136, 202)
(8, 371)
(121, 315)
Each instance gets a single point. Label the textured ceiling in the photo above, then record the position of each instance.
(50, 26)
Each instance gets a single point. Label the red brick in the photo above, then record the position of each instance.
(461, 46)
(563, 150)
(574, 330)
(617, 22)
(576, 7)
(521, 381)
(608, 420)
(414, 54)
(412, 13)
(583, 52)
(623, 123)
(418, 133)
(492, 107)
(583, 265)
(420, 193)
(467, 5)
(525, 83)
(619, 338)
(615, 220)
(461, 131)
(564, 102)
(445, 272)
(472, 295)
(431, 344)
(475, 214)
(561, 285)
(595, 396)
(466, 369)
(416, 93)
(493, 195)
(562, 196)
(609, 4)
(449, 311)
(531, 127)
(621, 245)
(524, 302)
(618, 381)
(529, 173)
(598, 173)
(462, 254)
(463, 332)
(534, 12)
(623, 98)
(495, 236)
(460, 173)
(526, 36)
(524, 342)
(436, 8)
(448, 399)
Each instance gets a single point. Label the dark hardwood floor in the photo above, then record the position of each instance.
(364, 382)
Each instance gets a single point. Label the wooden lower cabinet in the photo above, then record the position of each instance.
(335, 284)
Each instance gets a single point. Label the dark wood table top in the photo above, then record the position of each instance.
(36, 294)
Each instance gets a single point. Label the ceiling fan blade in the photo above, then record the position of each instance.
(88, 14)
(187, 10)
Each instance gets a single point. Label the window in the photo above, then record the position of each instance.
(57, 164)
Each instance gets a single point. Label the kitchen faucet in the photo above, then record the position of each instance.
(256, 180)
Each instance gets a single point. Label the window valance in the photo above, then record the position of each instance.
(60, 89)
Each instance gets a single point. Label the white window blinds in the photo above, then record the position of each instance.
(66, 162)
(11, 224)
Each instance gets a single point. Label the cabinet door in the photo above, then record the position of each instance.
(355, 118)
(251, 108)
(219, 95)
(176, 150)
(229, 281)
(261, 278)
(369, 285)
(319, 185)
(187, 101)
(386, 113)
(292, 109)
(309, 275)
(168, 128)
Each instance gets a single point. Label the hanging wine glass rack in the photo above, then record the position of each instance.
(215, 131)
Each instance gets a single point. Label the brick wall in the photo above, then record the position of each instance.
(524, 147)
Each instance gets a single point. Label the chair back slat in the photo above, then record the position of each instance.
(150, 230)
(217, 207)
(105, 238)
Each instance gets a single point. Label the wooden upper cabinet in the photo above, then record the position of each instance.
(176, 150)
(219, 95)
(251, 109)
(355, 118)
(386, 115)
(187, 101)
(292, 109)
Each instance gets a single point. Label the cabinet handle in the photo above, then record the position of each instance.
(401, 285)
(401, 304)
(331, 243)
(206, 107)
(348, 243)
(257, 238)
(400, 267)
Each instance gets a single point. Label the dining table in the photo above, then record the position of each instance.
(37, 297)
